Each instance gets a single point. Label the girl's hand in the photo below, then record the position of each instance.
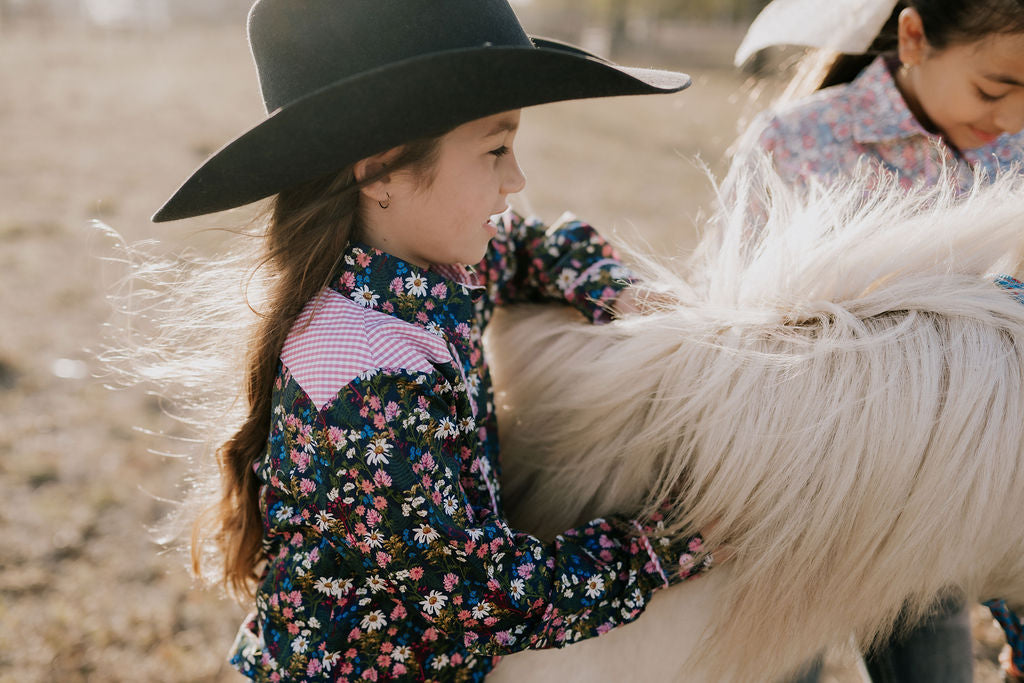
(1011, 673)
(639, 300)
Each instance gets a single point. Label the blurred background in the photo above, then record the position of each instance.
(105, 107)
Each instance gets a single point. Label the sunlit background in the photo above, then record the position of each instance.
(105, 106)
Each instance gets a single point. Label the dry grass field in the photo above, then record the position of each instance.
(104, 125)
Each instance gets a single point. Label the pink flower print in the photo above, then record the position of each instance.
(387, 307)
(293, 628)
(396, 285)
(373, 518)
(422, 403)
(367, 486)
(381, 478)
(428, 304)
(456, 659)
(685, 564)
(416, 573)
(491, 621)
(428, 461)
(603, 628)
(503, 637)
(275, 677)
(440, 290)
(335, 437)
(370, 674)
(307, 486)
(399, 669)
(300, 459)
(462, 329)
(450, 581)
(606, 555)
(383, 661)
(605, 542)
(351, 653)
(422, 317)
(526, 570)
(297, 540)
(398, 613)
(390, 410)
(383, 559)
(363, 259)
(375, 402)
(695, 545)
(364, 411)
(346, 668)
(430, 635)
(378, 421)
(295, 597)
(348, 279)
(313, 667)
(291, 422)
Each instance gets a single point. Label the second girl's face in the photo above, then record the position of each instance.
(971, 93)
(443, 217)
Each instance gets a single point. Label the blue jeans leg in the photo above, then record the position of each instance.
(937, 651)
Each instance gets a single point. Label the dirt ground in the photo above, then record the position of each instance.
(105, 125)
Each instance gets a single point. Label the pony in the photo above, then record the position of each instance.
(831, 388)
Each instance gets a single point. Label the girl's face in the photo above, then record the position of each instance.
(970, 93)
(441, 215)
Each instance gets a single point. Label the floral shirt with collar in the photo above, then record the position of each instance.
(825, 136)
(388, 557)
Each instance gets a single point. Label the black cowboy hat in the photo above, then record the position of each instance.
(346, 79)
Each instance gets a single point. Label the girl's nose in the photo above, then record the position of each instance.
(513, 180)
(1010, 119)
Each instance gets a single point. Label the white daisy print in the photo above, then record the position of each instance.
(377, 453)
(595, 586)
(401, 653)
(482, 611)
(425, 533)
(374, 621)
(373, 539)
(566, 279)
(416, 285)
(433, 603)
(365, 297)
(517, 586)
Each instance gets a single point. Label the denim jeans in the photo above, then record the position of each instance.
(936, 651)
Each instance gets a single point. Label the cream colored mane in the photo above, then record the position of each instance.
(843, 394)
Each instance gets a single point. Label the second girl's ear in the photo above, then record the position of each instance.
(372, 174)
(913, 44)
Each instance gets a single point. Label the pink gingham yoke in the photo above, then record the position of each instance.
(346, 339)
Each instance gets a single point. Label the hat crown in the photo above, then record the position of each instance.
(302, 46)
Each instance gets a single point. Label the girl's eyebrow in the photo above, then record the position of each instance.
(503, 127)
(1004, 78)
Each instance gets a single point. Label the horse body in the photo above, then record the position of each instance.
(843, 394)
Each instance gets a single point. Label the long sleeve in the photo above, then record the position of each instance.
(569, 262)
(377, 476)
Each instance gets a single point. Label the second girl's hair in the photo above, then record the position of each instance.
(307, 231)
(946, 23)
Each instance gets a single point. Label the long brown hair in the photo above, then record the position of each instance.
(307, 230)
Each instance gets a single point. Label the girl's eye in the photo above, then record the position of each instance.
(501, 151)
(985, 97)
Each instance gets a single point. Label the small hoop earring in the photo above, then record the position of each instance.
(386, 203)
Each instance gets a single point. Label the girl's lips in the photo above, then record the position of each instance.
(983, 136)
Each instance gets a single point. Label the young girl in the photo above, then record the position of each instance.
(935, 95)
(361, 496)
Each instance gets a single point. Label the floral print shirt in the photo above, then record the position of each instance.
(388, 557)
(827, 135)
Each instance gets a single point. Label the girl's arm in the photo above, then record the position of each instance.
(382, 486)
(568, 262)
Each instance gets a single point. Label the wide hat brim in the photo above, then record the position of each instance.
(372, 112)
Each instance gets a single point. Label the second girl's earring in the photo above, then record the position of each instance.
(386, 202)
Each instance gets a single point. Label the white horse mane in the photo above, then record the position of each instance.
(842, 394)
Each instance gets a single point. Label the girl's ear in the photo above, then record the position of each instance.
(913, 44)
(375, 170)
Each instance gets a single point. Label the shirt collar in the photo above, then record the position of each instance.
(439, 299)
(884, 114)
